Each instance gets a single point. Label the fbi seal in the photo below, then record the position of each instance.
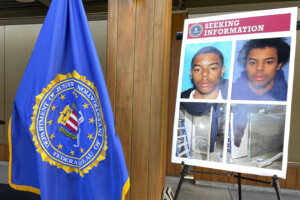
(196, 30)
(68, 127)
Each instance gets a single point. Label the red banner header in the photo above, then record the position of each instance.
(240, 26)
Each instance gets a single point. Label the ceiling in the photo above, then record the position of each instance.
(13, 8)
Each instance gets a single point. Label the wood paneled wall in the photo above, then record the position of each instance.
(177, 26)
(137, 79)
(2, 107)
(292, 180)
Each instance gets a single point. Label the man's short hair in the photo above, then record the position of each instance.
(209, 49)
(283, 49)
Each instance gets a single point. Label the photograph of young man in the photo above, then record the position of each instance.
(207, 70)
(262, 77)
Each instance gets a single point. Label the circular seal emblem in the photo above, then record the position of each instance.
(196, 30)
(68, 127)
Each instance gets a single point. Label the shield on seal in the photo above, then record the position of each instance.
(68, 118)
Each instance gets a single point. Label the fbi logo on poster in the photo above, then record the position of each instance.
(196, 30)
(68, 127)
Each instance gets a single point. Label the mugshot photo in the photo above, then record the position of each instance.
(261, 69)
(206, 70)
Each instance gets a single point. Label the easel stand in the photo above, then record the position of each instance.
(186, 170)
(275, 184)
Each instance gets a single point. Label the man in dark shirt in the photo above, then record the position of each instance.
(262, 78)
(207, 70)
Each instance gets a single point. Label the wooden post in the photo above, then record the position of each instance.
(137, 80)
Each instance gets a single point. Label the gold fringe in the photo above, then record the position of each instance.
(125, 188)
(14, 186)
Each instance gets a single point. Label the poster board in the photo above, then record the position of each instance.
(234, 92)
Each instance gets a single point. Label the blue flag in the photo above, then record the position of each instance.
(62, 138)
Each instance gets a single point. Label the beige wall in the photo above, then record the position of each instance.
(19, 42)
(16, 45)
(99, 33)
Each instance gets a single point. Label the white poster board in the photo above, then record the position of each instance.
(234, 92)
